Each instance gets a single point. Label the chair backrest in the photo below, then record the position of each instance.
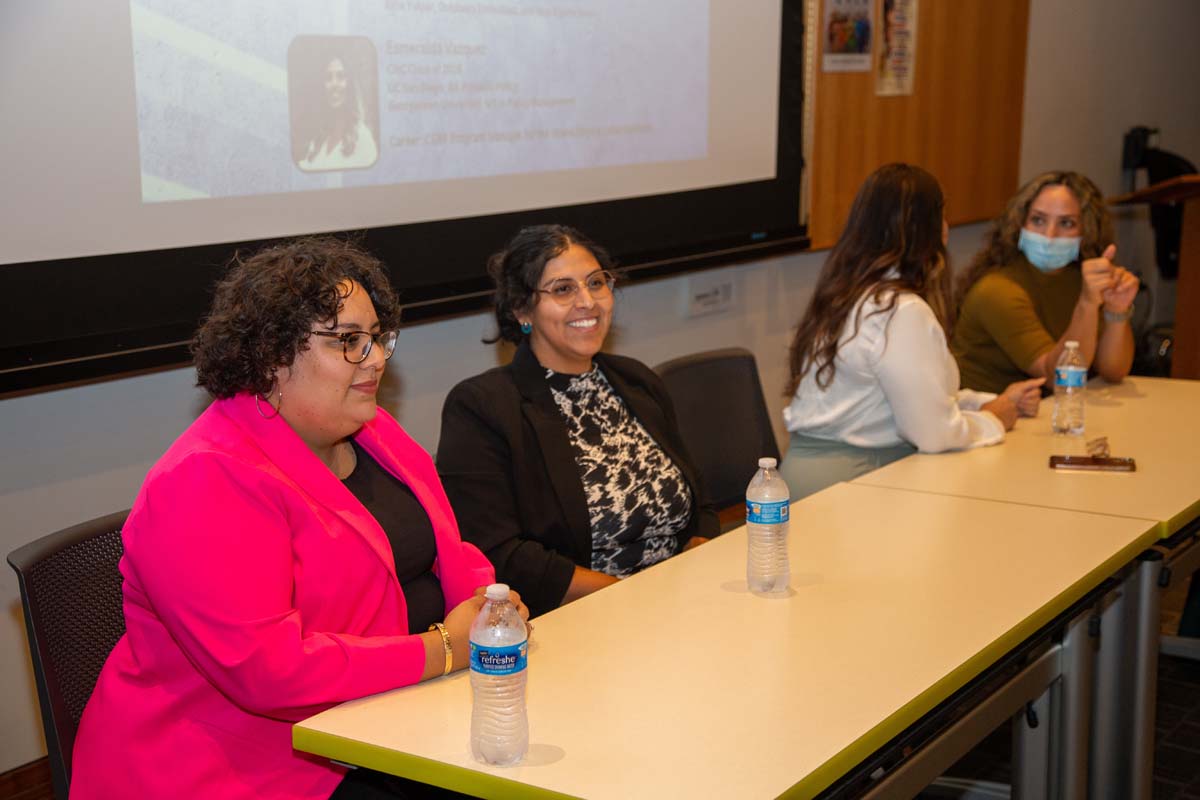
(723, 418)
(71, 590)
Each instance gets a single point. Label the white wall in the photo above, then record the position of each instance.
(77, 453)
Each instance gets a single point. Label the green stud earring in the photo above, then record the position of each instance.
(526, 328)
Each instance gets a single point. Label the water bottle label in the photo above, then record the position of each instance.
(499, 660)
(1071, 377)
(767, 513)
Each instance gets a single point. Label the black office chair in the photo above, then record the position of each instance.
(723, 418)
(71, 591)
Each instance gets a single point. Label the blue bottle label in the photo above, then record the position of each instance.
(1071, 377)
(499, 660)
(767, 513)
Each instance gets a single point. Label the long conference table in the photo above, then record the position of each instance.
(929, 601)
(1156, 421)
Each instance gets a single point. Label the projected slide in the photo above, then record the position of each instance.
(237, 99)
(228, 120)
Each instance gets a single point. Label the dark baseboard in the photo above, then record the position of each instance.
(28, 782)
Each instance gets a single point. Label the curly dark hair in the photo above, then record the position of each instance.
(892, 242)
(517, 270)
(267, 304)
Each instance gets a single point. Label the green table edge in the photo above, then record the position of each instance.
(1178, 521)
(425, 770)
(912, 711)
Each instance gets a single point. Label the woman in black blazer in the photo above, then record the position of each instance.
(566, 466)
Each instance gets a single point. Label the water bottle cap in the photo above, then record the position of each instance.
(497, 591)
(766, 462)
(1071, 343)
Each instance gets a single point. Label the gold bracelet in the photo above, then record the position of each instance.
(440, 628)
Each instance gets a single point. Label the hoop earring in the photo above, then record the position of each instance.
(526, 328)
(279, 404)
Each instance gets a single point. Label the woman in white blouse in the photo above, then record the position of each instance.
(872, 379)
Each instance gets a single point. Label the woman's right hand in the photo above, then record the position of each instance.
(1098, 276)
(1025, 395)
(586, 581)
(1004, 409)
(458, 625)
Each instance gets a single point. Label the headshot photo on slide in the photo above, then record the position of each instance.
(333, 99)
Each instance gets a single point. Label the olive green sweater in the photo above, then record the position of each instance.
(1010, 317)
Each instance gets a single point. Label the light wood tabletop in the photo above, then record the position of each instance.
(677, 682)
(1155, 421)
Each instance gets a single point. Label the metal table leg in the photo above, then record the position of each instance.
(1078, 665)
(1108, 770)
(1122, 763)
(936, 756)
(1032, 733)
(1145, 676)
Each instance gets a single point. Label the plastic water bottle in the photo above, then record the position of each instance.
(499, 647)
(1070, 379)
(767, 566)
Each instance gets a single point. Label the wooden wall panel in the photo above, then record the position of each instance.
(962, 122)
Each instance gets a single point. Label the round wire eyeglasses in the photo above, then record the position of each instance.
(599, 284)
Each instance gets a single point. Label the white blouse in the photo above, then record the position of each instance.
(895, 381)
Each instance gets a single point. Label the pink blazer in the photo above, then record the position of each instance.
(258, 591)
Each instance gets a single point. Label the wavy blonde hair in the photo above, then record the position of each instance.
(1000, 246)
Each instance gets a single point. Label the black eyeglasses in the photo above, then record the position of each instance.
(599, 285)
(356, 345)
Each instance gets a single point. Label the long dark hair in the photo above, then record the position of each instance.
(343, 121)
(892, 242)
(1000, 248)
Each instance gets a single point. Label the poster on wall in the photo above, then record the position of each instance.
(846, 32)
(896, 55)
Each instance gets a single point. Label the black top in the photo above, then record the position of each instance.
(507, 464)
(638, 501)
(410, 532)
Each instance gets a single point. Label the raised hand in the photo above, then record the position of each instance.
(1124, 290)
(1099, 275)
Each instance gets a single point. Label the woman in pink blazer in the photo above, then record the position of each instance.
(282, 553)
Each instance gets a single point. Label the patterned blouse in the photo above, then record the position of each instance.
(638, 500)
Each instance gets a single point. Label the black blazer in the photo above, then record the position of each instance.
(506, 462)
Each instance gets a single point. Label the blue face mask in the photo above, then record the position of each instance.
(1048, 254)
